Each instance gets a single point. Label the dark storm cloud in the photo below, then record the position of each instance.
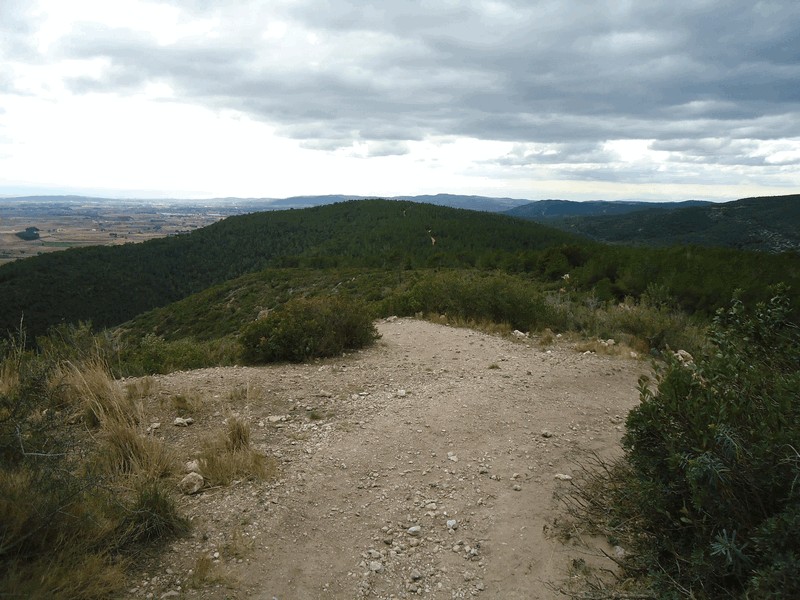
(551, 72)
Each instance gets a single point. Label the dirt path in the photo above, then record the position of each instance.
(422, 467)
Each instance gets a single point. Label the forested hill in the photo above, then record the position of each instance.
(546, 211)
(769, 224)
(110, 285)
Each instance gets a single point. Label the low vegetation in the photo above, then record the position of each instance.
(706, 499)
(111, 285)
(308, 328)
(227, 456)
(82, 489)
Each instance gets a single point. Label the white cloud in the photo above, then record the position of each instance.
(651, 94)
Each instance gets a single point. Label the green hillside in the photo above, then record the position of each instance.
(110, 285)
(762, 224)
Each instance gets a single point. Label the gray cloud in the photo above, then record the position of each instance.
(548, 73)
(391, 148)
(551, 154)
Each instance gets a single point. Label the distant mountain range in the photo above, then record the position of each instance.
(547, 210)
(767, 224)
(527, 209)
(770, 224)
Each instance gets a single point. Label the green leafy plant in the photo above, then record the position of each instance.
(308, 328)
(714, 466)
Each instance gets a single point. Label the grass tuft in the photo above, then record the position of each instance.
(152, 516)
(227, 456)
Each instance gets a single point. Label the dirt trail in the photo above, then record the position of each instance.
(454, 432)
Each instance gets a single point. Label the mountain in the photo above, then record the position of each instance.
(547, 210)
(233, 205)
(111, 284)
(770, 224)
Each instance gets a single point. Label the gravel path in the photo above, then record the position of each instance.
(424, 466)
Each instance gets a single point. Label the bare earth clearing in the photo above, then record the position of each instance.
(432, 424)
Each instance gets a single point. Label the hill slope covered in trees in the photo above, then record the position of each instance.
(763, 224)
(109, 285)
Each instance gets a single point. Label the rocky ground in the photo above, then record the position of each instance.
(424, 466)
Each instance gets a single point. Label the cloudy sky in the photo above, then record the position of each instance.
(572, 99)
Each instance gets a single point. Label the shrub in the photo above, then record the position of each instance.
(308, 328)
(715, 466)
(467, 296)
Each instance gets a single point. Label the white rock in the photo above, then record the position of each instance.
(193, 466)
(452, 524)
(563, 477)
(192, 483)
(376, 566)
(415, 530)
(546, 433)
(181, 422)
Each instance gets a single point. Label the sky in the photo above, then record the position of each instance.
(595, 99)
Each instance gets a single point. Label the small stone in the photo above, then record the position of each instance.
(376, 566)
(181, 422)
(401, 393)
(562, 477)
(452, 524)
(191, 484)
(546, 433)
(517, 487)
(193, 466)
(619, 552)
(415, 530)
(416, 575)
(452, 456)
(170, 594)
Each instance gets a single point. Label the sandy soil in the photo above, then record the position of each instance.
(432, 425)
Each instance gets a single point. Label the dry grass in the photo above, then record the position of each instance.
(239, 545)
(91, 389)
(126, 451)
(65, 575)
(546, 338)
(247, 394)
(9, 376)
(144, 387)
(227, 456)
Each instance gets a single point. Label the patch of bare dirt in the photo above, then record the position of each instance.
(424, 466)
